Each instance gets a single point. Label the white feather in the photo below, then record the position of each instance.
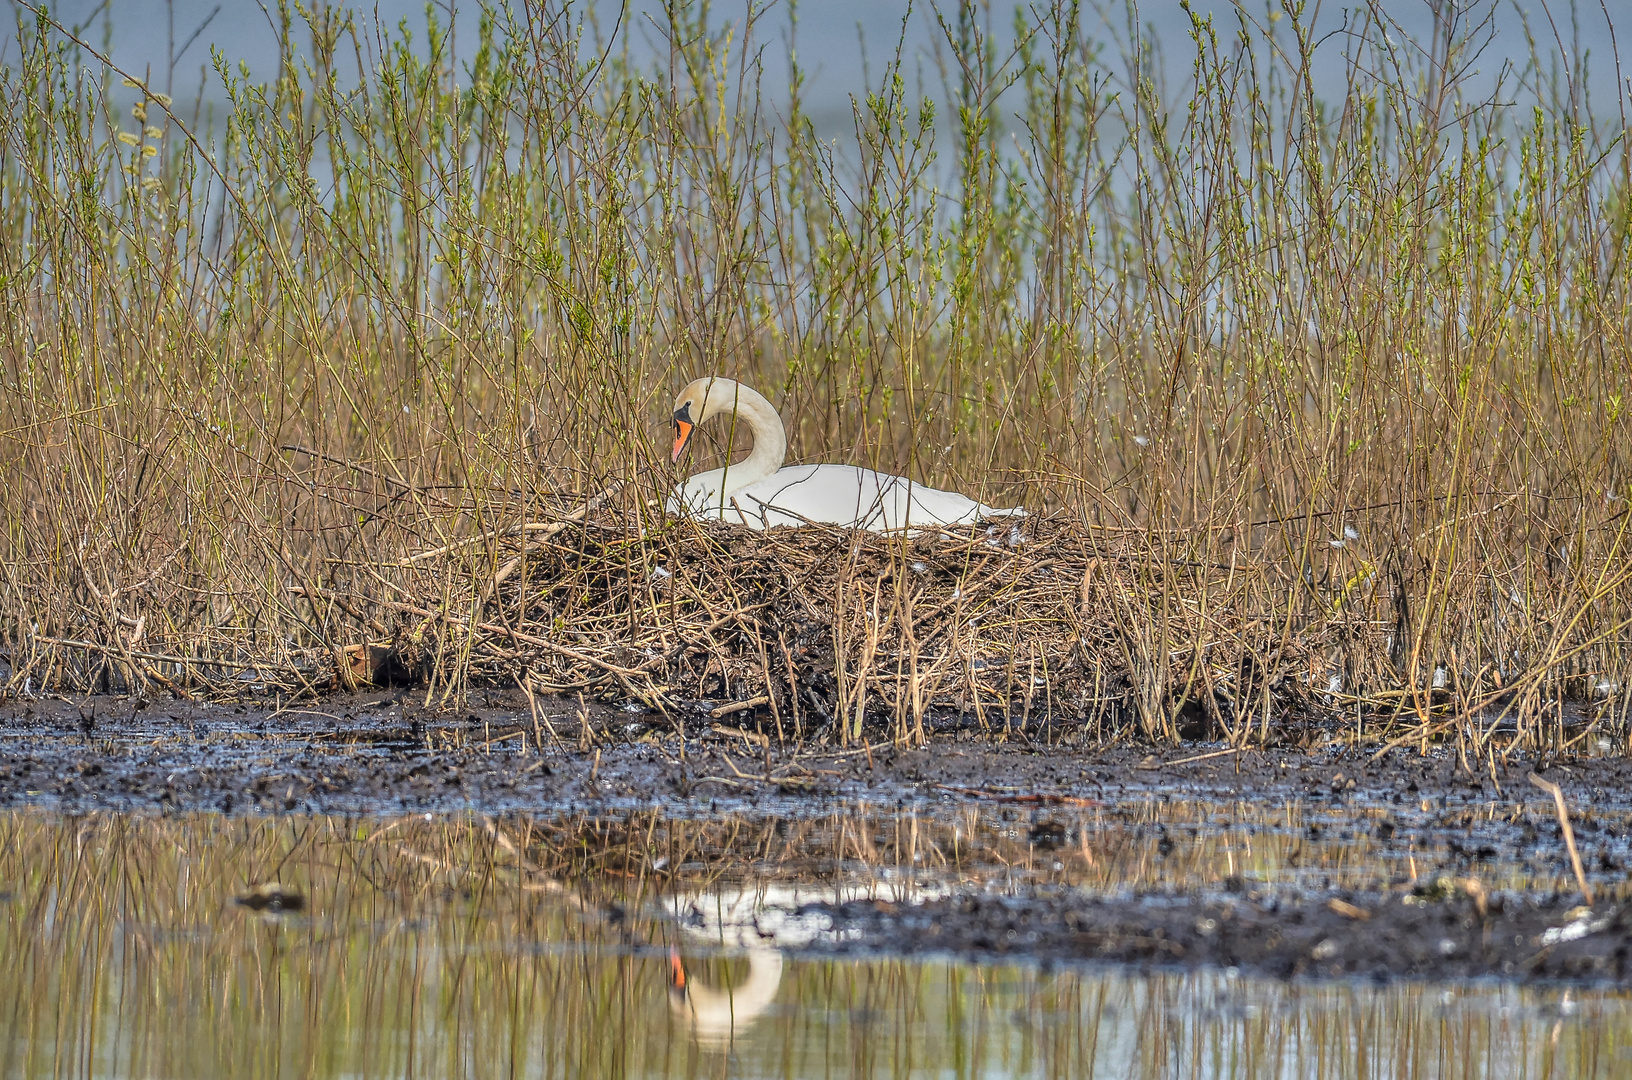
(760, 493)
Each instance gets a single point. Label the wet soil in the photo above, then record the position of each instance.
(1466, 873)
(1434, 930)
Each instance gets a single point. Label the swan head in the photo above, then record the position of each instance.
(677, 979)
(701, 399)
(717, 1016)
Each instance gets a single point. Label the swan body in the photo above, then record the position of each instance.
(759, 493)
(757, 922)
(760, 921)
(716, 1015)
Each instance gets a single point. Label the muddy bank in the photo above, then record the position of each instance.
(386, 753)
(1446, 928)
(1288, 862)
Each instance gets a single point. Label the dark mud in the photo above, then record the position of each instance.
(1406, 867)
(388, 753)
(1435, 930)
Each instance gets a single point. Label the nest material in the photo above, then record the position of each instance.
(823, 630)
(820, 628)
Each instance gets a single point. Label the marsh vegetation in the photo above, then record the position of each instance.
(1319, 401)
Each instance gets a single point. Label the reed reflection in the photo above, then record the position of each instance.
(642, 947)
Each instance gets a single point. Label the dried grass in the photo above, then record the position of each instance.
(1320, 407)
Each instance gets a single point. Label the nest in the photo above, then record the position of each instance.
(828, 631)
(832, 633)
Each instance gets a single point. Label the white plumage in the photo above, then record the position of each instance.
(760, 493)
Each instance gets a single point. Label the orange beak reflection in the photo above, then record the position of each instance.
(677, 971)
(682, 435)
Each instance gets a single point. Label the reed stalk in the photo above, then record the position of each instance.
(1333, 391)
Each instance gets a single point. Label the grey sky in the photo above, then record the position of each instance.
(144, 32)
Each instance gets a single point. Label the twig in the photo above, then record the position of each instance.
(1569, 834)
(526, 684)
(544, 528)
(1002, 795)
(1201, 757)
(739, 706)
(164, 658)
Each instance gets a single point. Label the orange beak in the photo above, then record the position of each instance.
(682, 435)
(677, 971)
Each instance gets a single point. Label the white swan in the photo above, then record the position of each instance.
(717, 1016)
(758, 921)
(758, 492)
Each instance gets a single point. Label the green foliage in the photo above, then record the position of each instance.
(1232, 309)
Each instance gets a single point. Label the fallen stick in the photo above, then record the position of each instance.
(545, 528)
(1348, 910)
(736, 707)
(163, 658)
(1200, 757)
(1569, 834)
(1047, 799)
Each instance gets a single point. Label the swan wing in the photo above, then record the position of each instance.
(852, 497)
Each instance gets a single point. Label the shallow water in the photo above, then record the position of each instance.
(647, 946)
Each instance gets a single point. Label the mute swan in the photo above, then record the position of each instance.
(757, 921)
(718, 1015)
(760, 921)
(758, 492)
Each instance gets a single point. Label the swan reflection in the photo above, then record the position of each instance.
(757, 922)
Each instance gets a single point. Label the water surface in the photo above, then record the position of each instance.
(204, 945)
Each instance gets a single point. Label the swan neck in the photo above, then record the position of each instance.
(770, 440)
(720, 1014)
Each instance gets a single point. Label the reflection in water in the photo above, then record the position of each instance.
(646, 947)
(758, 922)
(715, 1015)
